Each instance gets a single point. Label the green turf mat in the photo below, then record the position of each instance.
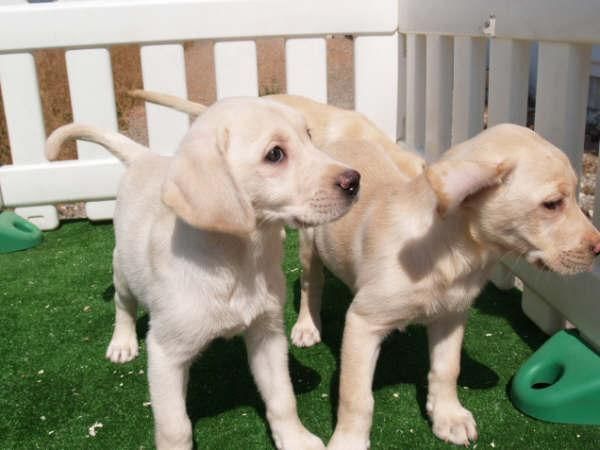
(55, 384)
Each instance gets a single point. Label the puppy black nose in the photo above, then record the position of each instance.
(349, 182)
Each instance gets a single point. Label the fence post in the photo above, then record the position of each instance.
(438, 98)
(163, 70)
(306, 68)
(25, 124)
(93, 102)
(376, 80)
(416, 51)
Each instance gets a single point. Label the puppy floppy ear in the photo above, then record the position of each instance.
(453, 180)
(200, 189)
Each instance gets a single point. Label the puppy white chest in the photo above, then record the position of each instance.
(228, 283)
(458, 295)
(251, 301)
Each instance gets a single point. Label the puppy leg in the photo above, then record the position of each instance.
(360, 350)
(123, 346)
(267, 354)
(451, 422)
(307, 330)
(168, 376)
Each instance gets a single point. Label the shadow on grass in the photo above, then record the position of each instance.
(220, 379)
(404, 357)
(507, 305)
(109, 293)
(81, 221)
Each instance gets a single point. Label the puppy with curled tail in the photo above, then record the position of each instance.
(198, 244)
(120, 146)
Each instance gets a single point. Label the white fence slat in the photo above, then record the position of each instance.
(543, 20)
(508, 81)
(306, 68)
(25, 125)
(92, 95)
(561, 97)
(93, 102)
(236, 69)
(415, 91)
(401, 101)
(104, 23)
(468, 98)
(163, 70)
(438, 98)
(61, 181)
(45, 217)
(376, 80)
(23, 108)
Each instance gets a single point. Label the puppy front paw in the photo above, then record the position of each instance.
(305, 334)
(123, 348)
(347, 441)
(453, 423)
(301, 439)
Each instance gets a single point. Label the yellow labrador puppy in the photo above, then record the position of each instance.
(419, 250)
(198, 244)
(418, 246)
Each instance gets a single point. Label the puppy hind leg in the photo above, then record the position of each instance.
(307, 330)
(451, 421)
(123, 346)
(268, 357)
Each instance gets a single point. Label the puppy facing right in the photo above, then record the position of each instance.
(419, 250)
(198, 244)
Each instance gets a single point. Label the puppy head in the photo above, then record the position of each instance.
(246, 161)
(524, 199)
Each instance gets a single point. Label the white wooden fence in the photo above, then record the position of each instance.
(420, 74)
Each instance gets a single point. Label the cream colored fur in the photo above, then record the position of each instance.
(198, 244)
(419, 250)
(418, 247)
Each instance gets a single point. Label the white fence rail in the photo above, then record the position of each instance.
(420, 74)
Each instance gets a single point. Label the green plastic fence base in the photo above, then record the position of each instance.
(17, 233)
(560, 382)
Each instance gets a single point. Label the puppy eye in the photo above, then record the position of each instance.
(309, 133)
(275, 155)
(553, 204)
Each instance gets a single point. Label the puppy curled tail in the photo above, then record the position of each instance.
(121, 146)
(171, 101)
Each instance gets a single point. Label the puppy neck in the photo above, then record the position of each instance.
(447, 245)
(192, 243)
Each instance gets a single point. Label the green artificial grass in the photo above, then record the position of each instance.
(55, 384)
